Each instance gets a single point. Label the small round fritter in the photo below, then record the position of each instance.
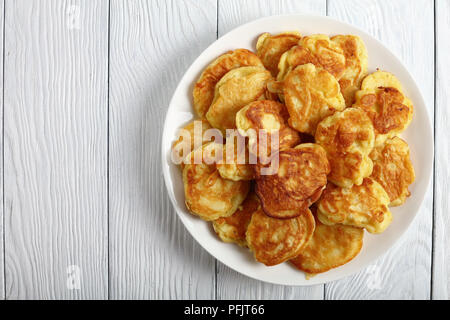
(382, 98)
(236, 89)
(204, 88)
(329, 53)
(330, 247)
(270, 116)
(271, 47)
(294, 57)
(207, 194)
(274, 241)
(187, 136)
(297, 183)
(381, 79)
(392, 168)
(311, 94)
(234, 227)
(364, 206)
(348, 138)
(356, 62)
(235, 165)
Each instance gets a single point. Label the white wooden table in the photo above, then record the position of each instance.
(85, 88)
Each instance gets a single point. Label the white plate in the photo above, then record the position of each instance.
(418, 135)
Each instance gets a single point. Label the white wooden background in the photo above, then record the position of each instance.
(85, 86)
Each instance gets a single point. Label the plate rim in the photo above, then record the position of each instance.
(396, 59)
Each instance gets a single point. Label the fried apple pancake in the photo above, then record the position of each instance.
(294, 57)
(328, 53)
(203, 93)
(330, 247)
(363, 206)
(343, 56)
(234, 227)
(236, 89)
(207, 194)
(298, 182)
(348, 138)
(392, 168)
(270, 116)
(311, 94)
(274, 241)
(271, 47)
(382, 98)
(356, 63)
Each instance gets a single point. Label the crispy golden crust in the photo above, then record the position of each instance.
(329, 54)
(271, 47)
(236, 89)
(298, 182)
(364, 206)
(294, 57)
(207, 194)
(270, 116)
(274, 241)
(311, 94)
(204, 88)
(186, 140)
(329, 247)
(392, 168)
(348, 138)
(387, 107)
(234, 227)
(356, 62)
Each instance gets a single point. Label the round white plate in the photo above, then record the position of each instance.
(418, 135)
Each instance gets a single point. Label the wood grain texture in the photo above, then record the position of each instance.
(405, 271)
(441, 254)
(55, 118)
(230, 284)
(2, 258)
(152, 256)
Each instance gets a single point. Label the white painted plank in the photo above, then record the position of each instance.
(441, 262)
(152, 256)
(56, 149)
(407, 28)
(230, 284)
(2, 260)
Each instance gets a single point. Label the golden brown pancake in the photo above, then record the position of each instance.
(330, 247)
(271, 47)
(392, 168)
(381, 97)
(364, 206)
(270, 116)
(343, 56)
(204, 88)
(274, 241)
(356, 62)
(311, 94)
(207, 194)
(348, 138)
(294, 57)
(328, 53)
(298, 182)
(234, 227)
(236, 89)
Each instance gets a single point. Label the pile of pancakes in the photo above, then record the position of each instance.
(340, 162)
